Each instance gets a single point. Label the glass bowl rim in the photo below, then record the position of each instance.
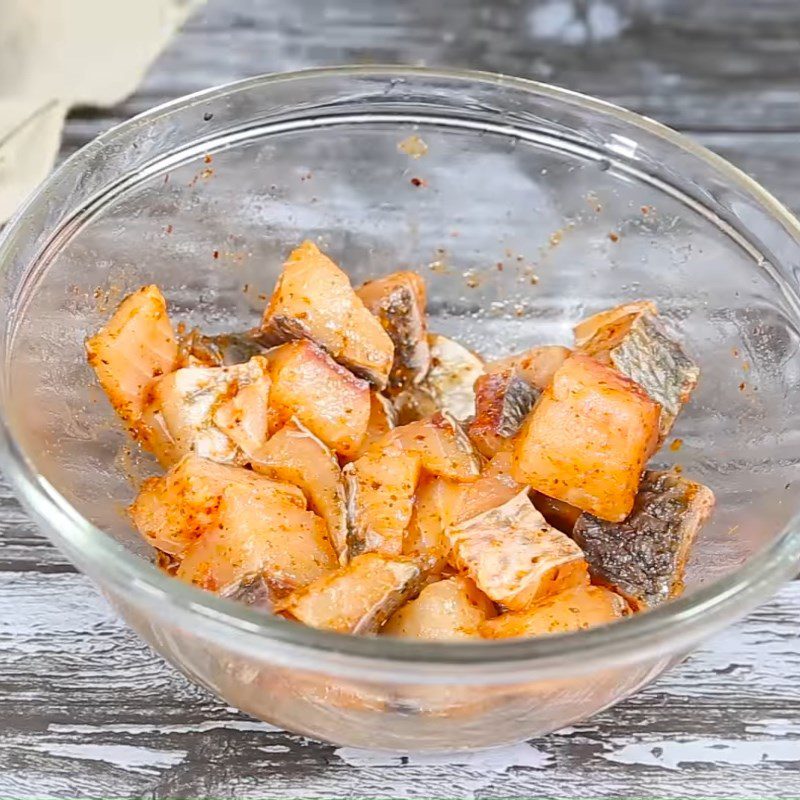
(662, 631)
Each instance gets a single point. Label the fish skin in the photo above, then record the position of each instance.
(644, 557)
(633, 339)
(502, 402)
(514, 556)
(649, 356)
(221, 349)
(398, 301)
(254, 592)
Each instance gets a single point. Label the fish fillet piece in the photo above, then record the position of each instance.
(314, 300)
(443, 447)
(447, 610)
(294, 455)
(634, 340)
(537, 365)
(380, 498)
(436, 503)
(173, 510)
(219, 413)
(514, 556)
(398, 301)
(325, 397)
(644, 557)
(610, 325)
(357, 598)
(257, 533)
(588, 438)
(502, 402)
(572, 610)
(135, 346)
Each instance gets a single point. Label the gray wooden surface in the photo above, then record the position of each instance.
(87, 710)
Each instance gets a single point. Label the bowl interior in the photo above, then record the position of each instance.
(525, 212)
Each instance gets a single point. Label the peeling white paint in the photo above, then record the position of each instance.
(497, 759)
(674, 754)
(136, 759)
(775, 727)
(199, 727)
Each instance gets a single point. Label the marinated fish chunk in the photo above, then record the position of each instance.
(441, 444)
(296, 456)
(537, 365)
(380, 498)
(588, 438)
(382, 419)
(644, 557)
(514, 556)
(610, 326)
(446, 610)
(495, 487)
(331, 402)
(398, 301)
(173, 510)
(244, 416)
(637, 345)
(382, 482)
(357, 598)
(135, 346)
(313, 299)
(258, 534)
(220, 349)
(440, 502)
(448, 386)
(217, 412)
(502, 402)
(435, 503)
(572, 610)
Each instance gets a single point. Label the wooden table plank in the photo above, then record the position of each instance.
(725, 65)
(88, 710)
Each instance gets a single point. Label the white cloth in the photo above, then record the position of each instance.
(58, 53)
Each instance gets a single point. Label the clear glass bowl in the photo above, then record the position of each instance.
(531, 207)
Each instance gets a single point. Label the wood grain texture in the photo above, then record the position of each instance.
(724, 65)
(87, 710)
